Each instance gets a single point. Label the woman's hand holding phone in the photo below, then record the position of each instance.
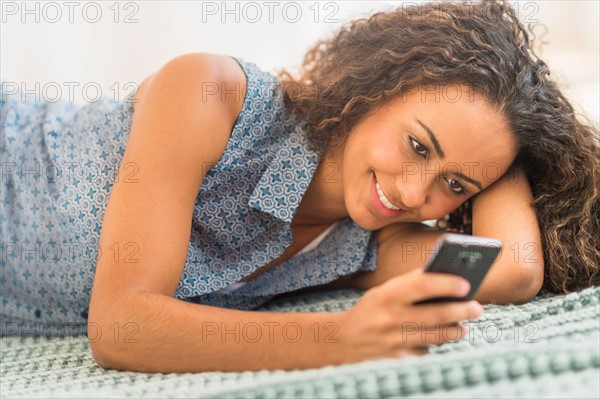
(386, 322)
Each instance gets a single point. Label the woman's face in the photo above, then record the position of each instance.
(428, 151)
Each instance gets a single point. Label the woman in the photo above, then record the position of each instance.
(221, 192)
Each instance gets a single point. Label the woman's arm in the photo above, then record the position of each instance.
(134, 322)
(504, 211)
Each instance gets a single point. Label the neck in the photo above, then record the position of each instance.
(323, 201)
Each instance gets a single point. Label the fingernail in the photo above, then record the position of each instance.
(476, 308)
(465, 287)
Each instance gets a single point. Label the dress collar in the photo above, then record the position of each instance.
(287, 177)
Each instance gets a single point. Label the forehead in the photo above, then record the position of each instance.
(472, 133)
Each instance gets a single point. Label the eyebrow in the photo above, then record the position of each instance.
(433, 139)
(467, 178)
(440, 152)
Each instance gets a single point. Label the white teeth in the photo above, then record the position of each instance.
(384, 200)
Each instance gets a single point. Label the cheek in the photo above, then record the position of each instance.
(386, 156)
(369, 155)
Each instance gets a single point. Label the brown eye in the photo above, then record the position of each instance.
(456, 187)
(418, 147)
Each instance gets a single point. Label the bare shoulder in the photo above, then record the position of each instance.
(206, 76)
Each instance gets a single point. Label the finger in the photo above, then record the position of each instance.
(418, 285)
(442, 313)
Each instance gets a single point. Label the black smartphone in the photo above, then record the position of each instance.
(467, 256)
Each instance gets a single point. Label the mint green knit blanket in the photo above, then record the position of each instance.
(549, 347)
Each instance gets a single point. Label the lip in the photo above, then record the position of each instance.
(378, 205)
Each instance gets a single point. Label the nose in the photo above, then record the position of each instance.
(413, 189)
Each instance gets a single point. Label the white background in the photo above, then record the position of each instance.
(109, 52)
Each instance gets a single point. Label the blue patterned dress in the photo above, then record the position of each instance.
(59, 161)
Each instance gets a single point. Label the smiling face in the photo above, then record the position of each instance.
(427, 155)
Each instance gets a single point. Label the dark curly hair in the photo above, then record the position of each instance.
(482, 45)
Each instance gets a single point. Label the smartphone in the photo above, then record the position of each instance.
(470, 257)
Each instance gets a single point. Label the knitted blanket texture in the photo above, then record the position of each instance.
(549, 347)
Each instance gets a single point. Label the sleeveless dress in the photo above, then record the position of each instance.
(59, 161)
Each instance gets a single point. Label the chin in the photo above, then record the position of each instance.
(362, 222)
(367, 220)
(369, 226)
(364, 219)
